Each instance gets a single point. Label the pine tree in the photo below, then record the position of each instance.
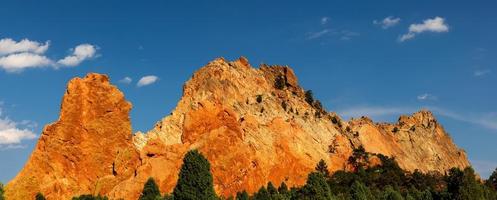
(271, 189)
(262, 194)
(492, 180)
(150, 190)
(390, 194)
(39, 196)
(469, 188)
(283, 189)
(1, 192)
(360, 192)
(322, 167)
(426, 195)
(195, 178)
(316, 187)
(242, 195)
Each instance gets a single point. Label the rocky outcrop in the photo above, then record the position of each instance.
(253, 125)
(87, 150)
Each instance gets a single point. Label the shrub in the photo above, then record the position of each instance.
(280, 82)
(259, 98)
(334, 120)
(39, 196)
(395, 130)
(90, 197)
(309, 98)
(283, 105)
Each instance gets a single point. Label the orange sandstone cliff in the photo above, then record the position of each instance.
(250, 129)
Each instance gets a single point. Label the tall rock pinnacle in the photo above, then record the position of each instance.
(87, 150)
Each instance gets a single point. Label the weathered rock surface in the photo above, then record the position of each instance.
(251, 132)
(88, 150)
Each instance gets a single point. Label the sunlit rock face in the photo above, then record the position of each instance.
(253, 124)
(87, 150)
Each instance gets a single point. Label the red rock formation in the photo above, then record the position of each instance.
(88, 150)
(248, 142)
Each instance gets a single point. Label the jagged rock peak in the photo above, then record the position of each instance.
(87, 151)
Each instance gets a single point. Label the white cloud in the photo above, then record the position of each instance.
(9, 46)
(388, 22)
(80, 54)
(147, 80)
(481, 72)
(315, 35)
(348, 35)
(324, 20)
(20, 61)
(126, 80)
(426, 96)
(436, 25)
(18, 56)
(11, 133)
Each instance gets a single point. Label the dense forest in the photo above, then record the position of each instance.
(383, 181)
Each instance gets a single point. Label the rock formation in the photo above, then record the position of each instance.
(253, 125)
(88, 150)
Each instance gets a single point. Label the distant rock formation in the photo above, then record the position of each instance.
(253, 125)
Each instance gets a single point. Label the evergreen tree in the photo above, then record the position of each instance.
(150, 190)
(316, 187)
(168, 197)
(283, 189)
(1, 192)
(469, 188)
(322, 167)
(195, 179)
(242, 195)
(390, 194)
(271, 189)
(462, 185)
(262, 194)
(426, 195)
(360, 192)
(492, 180)
(39, 196)
(359, 158)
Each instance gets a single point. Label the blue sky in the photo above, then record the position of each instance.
(360, 58)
